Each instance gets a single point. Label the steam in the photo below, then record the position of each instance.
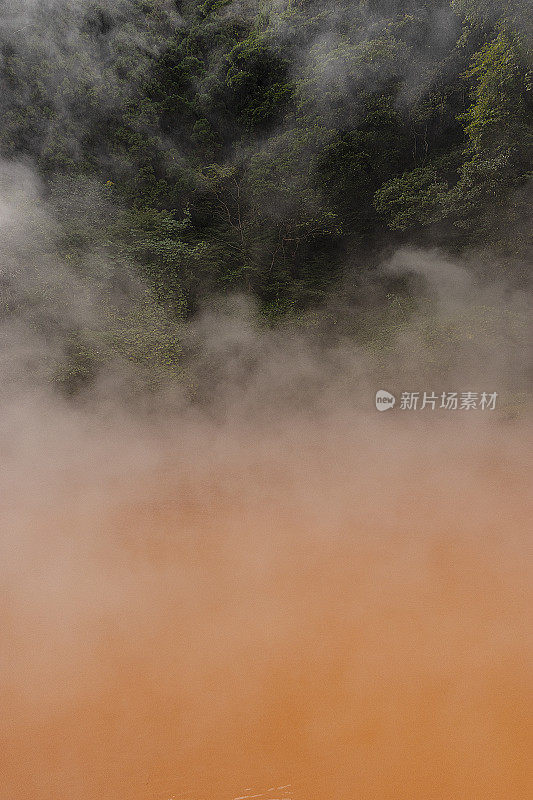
(266, 584)
(346, 608)
(244, 577)
(79, 64)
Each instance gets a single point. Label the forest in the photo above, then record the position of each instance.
(283, 150)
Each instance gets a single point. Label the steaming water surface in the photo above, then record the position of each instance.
(344, 608)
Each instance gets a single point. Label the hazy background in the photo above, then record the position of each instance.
(223, 571)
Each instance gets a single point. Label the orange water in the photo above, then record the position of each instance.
(347, 613)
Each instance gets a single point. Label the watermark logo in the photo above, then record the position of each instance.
(385, 400)
(431, 401)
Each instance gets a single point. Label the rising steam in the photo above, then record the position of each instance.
(276, 587)
(244, 581)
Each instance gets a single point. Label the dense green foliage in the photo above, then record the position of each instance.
(270, 147)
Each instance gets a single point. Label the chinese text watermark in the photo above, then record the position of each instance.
(433, 401)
